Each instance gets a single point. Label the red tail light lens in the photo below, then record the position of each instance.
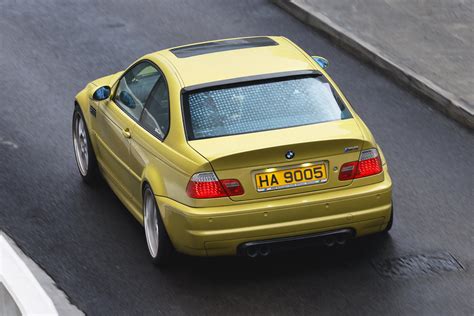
(232, 187)
(206, 185)
(369, 164)
(348, 170)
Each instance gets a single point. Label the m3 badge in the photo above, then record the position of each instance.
(351, 148)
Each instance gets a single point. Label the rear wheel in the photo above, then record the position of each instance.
(83, 151)
(157, 239)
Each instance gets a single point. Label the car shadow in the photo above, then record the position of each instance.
(356, 253)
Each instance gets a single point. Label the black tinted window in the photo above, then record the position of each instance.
(134, 88)
(155, 116)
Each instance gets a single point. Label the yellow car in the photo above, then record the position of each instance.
(241, 146)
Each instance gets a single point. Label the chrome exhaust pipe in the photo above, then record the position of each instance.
(330, 241)
(264, 251)
(341, 240)
(252, 252)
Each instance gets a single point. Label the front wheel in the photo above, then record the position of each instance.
(83, 151)
(157, 239)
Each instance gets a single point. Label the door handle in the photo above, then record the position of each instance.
(126, 133)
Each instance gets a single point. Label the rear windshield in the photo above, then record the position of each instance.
(261, 105)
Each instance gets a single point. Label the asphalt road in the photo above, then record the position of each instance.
(96, 252)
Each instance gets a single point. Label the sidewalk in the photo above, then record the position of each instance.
(427, 44)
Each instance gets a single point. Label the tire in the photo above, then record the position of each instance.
(159, 245)
(83, 151)
(390, 223)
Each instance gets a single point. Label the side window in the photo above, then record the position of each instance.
(156, 117)
(134, 88)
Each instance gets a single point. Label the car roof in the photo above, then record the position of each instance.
(222, 60)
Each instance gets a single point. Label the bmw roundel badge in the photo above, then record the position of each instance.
(290, 154)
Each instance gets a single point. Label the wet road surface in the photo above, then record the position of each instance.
(96, 252)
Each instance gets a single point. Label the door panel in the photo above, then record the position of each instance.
(116, 121)
(114, 143)
(147, 147)
(140, 157)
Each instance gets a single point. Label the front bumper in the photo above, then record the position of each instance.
(218, 231)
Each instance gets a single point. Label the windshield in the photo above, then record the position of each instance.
(261, 105)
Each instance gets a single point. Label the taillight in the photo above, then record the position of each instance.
(369, 164)
(232, 187)
(348, 170)
(206, 185)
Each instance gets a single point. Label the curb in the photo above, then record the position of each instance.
(25, 288)
(444, 101)
(24, 295)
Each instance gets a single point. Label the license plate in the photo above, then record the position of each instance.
(290, 177)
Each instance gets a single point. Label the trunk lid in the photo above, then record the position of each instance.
(244, 156)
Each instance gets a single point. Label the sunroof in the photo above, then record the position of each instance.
(221, 46)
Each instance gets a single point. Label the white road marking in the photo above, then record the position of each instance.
(8, 143)
(33, 291)
(23, 287)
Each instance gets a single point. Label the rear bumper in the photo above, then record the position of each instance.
(220, 230)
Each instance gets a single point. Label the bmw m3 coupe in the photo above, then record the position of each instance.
(241, 146)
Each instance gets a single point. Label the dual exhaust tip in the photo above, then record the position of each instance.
(333, 240)
(255, 251)
(264, 250)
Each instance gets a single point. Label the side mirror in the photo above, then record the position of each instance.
(101, 93)
(126, 99)
(323, 62)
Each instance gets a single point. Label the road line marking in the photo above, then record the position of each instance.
(31, 289)
(23, 287)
